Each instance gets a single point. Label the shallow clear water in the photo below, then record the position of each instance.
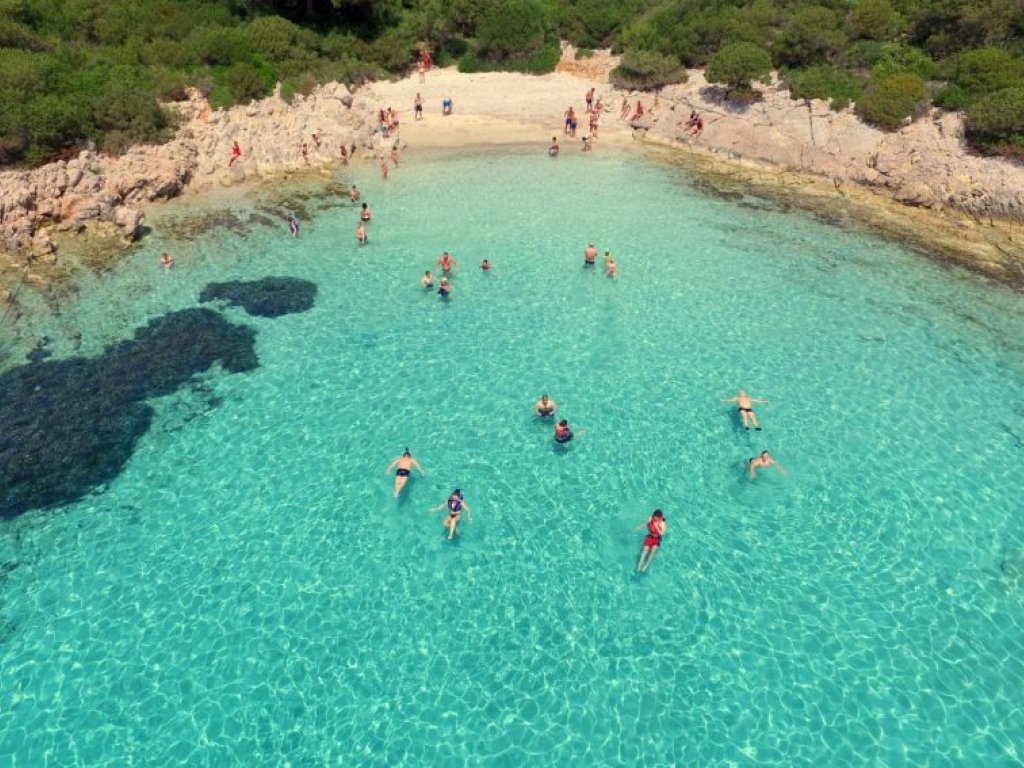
(248, 593)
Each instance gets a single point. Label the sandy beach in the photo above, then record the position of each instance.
(918, 185)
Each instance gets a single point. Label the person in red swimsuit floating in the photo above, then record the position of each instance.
(656, 527)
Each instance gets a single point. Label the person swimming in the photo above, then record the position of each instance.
(427, 280)
(455, 505)
(485, 265)
(762, 461)
(545, 407)
(745, 406)
(404, 464)
(445, 289)
(656, 527)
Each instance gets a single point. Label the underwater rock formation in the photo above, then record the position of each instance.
(71, 425)
(268, 297)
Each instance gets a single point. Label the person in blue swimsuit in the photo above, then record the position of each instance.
(455, 505)
(444, 290)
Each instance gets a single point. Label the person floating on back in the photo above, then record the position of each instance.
(745, 406)
(455, 504)
(404, 464)
(763, 461)
(656, 527)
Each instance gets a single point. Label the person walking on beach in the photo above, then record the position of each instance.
(545, 407)
(624, 112)
(394, 156)
(384, 168)
(417, 106)
(589, 256)
(656, 527)
(404, 464)
(639, 113)
(745, 406)
(763, 461)
(589, 98)
(344, 154)
(421, 70)
(236, 152)
(455, 505)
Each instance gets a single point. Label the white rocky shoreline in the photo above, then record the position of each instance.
(922, 177)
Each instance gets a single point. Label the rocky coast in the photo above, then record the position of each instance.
(920, 184)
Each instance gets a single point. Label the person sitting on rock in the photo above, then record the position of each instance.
(236, 152)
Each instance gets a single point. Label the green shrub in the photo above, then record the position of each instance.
(584, 53)
(952, 97)
(248, 81)
(170, 85)
(811, 35)
(899, 57)
(874, 19)
(644, 70)
(513, 29)
(825, 81)
(985, 70)
(220, 96)
(303, 84)
(887, 103)
(996, 120)
(738, 64)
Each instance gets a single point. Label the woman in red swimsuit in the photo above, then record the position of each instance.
(656, 527)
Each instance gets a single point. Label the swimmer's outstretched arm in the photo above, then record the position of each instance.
(731, 400)
(469, 513)
(781, 468)
(390, 467)
(417, 465)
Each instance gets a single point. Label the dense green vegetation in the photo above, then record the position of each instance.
(73, 71)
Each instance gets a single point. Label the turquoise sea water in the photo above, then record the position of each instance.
(247, 592)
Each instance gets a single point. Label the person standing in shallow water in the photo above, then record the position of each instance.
(589, 255)
(545, 407)
(656, 527)
(403, 465)
(745, 406)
